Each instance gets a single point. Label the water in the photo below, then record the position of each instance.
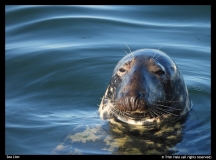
(59, 59)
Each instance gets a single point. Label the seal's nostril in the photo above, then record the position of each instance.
(136, 99)
(139, 96)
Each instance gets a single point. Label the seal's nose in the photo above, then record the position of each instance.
(135, 102)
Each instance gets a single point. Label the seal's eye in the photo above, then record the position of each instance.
(160, 72)
(122, 70)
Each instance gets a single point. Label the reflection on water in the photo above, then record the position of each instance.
(120, 138)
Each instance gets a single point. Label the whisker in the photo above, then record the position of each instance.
(130, 51)
(157, 57)
(154, 55)
(152, 113)
(168, 101)
(155, 111)
(166, 111)
(121, 113)
(116, 112)
(128, 48)
(113, 112)
(167, 106)
(129, 55)
(132, 54)
(159, 47)
(125, 52)
(159, 111)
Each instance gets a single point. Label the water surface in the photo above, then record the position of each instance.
(59, 59)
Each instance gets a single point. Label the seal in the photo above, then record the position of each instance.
(146, 88)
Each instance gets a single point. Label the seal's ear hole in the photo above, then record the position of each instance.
(122, 70)
(159, 72)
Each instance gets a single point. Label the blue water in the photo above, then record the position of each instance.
(59, 59)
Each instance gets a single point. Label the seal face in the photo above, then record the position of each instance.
(146, 88)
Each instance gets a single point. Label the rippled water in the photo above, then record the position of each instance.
(59, 59)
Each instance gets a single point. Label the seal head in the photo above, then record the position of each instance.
(146, 88)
